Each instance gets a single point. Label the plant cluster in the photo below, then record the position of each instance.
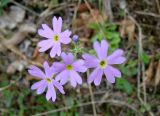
(69, 69)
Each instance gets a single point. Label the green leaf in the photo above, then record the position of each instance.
(69, 101)
(158, 56)
(92, 52)
(63, 113)
(93, 26)
(124, 85)
(98, 36)
(145, 58)
(55, 2)
(145, 107)
(130, 100)
(112, 27)
(8, 95)
(4, 2)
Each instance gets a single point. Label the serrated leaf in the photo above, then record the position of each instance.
(124, 85)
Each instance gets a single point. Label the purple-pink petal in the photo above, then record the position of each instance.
(115, 71)
(73, 80)
(65, 37)
(90, 61)
(46, 32)
(109, 75)
(45, 45)
(67, 58)
(57, 24)
(79, 66)
(52, 92)
(58, 86)
(53, 52)
(98, 78)
(47, 70)
(58, 66)
(56, 49)
(118, 60)
(64, 80)
(76, 76)
(42, 88)
(35, 71)
(48, 95)
(63, 76)
(97, 48)
(48, 29)
(93, 75)
(115, 54)
(37, 84)
(104, 49)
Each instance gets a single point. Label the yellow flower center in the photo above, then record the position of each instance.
(48, 80)
(55, 38)
(69, 67)
(102, 64)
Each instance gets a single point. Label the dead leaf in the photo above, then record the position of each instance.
(39, 57)
(80, 25)
(157, 76)
(149, 73)
(152, 74)
(82, 8)
(88, 18)
(35, 53)
(127, 29)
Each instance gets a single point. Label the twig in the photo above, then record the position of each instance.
(19, 53)
(149, 26)
(92, 98)
(108, 9)
(90, 9)
(141, 66)
(11, 83)
(75, 13)
(19, 36)
(26, 8)
(3, 110)
(158, 6)
(111, 101)
(6, 87)
(148, 14)
(140, 51)
(52, 11)
(51, 7)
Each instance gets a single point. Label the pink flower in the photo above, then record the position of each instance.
(54, 37)
(103, 64)
(69, 69)
(46, 81)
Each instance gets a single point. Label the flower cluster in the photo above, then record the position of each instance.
(59, 73)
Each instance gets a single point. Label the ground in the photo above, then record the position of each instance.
(132, 25)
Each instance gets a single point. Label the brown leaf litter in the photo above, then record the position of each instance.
(152, 74)
(127, 29)
(11, 19)
(19, 36)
